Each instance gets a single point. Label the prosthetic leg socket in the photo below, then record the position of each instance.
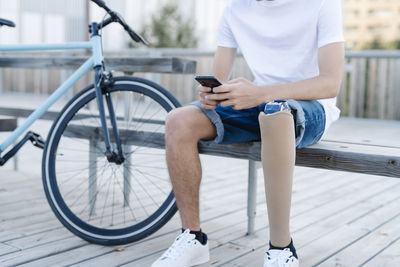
(278, 155)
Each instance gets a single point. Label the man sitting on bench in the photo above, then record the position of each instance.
(295, 51)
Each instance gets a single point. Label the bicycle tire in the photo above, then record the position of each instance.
(61, 154)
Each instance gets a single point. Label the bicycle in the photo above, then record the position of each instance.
(102, 178)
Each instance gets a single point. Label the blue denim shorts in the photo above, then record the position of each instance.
(236, 126)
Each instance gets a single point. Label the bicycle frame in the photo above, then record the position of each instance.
(94, 62)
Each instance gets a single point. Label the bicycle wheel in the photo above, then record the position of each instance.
(103, 202)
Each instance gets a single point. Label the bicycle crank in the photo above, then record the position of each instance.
(36, 140)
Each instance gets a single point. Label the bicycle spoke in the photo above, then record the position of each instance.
(146, 154)
(91, 184)
(122, 191)
(71, 171)
(145, 140)
(93, 116)
(136, 107)
(134, 193)
(144, 112)
(143, 188)
(157, 177)
(76, 150)
(81, 141)
(154, 184)
(151, 167)
(93, 198)
(147, 120)
(105, 201)
(113, 201)
(127, 115)
(69, 179)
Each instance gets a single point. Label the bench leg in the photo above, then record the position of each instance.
(15, 159)
(1, 81)
(127, 151)
(92, 176)
(127, 176)
(251, 196)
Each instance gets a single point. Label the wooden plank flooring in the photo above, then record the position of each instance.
(338, 218)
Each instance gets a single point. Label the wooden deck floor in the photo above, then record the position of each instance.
(338, 219)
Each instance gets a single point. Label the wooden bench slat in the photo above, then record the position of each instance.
(52, 115)
(349, 161)
(128, 64)
(369, 158)
(316, 156)
(24, 112)
(366, 131)
(8, 124)
(367, 148)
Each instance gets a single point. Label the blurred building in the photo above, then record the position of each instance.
(43, 20)
(369, 20)
(66, 20)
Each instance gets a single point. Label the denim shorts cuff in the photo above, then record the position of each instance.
(216, 120)
(300, 119)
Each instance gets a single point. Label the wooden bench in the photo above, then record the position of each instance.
(371, 151)
(354, 145)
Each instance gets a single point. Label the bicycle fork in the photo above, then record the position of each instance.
(102, 81)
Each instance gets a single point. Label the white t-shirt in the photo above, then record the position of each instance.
(280, 39)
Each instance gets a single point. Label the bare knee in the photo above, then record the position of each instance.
(188, 124)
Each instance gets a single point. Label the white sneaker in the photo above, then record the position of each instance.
(280, 258)
(185, 251)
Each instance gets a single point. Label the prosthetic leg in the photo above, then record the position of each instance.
(278, 158)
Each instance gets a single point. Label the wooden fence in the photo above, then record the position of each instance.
(371, 85)
(370, 89)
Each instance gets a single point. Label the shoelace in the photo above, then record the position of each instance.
(285, 255)
(177, 248)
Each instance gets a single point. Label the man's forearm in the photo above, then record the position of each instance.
(223, 63)
(326, 85)
(319, 87)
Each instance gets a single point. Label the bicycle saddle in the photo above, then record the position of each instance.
(6, 23)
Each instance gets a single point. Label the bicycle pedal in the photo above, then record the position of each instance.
(37, 140)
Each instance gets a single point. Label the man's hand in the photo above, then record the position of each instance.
(239, 93)
(204, 92)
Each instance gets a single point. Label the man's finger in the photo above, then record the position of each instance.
(209, 102)
(204, 89)
(226, 103)
(209, 106)
(217, 97)
(205, 100)
(225, 88)
(202, 94)
(213, 103)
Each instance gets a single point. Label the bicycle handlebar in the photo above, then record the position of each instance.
(101, 4)
(114, 17)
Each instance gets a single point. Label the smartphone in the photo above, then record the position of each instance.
(208, 81)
